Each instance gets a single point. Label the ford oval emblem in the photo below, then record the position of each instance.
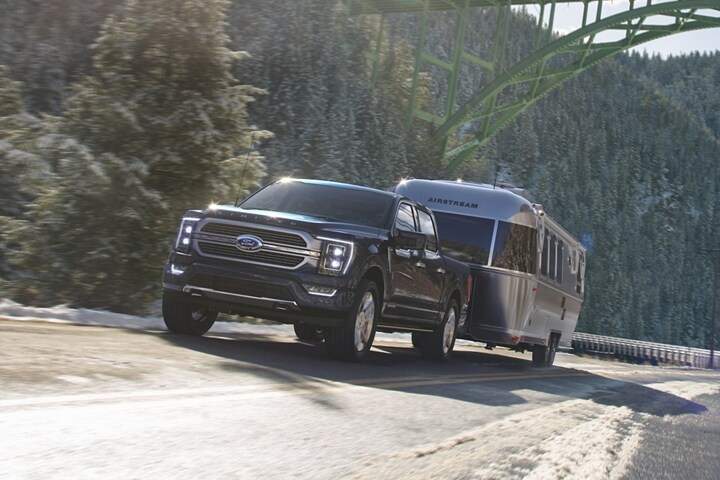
(248, 243)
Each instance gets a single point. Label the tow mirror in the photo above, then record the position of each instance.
(409, 240)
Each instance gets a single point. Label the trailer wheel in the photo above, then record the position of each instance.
(555, 340)
(544, 355)
(187, 318)
(439, 344)
(353, 339)
(310, 333)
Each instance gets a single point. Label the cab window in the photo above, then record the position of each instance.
(405, 220)
(428, 228)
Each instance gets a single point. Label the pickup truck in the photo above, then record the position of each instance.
(338, 261)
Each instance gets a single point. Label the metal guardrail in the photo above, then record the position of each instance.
(640, 352)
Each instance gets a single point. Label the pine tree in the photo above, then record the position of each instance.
(329, 120)
(46, 45)
(160, 128)
(164, 95)
(99, 245)
(23, 168)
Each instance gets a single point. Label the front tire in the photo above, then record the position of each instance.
(352, 341)
(439, 344)
(309, 333)
(187, 318)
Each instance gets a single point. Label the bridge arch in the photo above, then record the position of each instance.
(544, 69)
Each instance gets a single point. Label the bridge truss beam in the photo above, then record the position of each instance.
(511, 90)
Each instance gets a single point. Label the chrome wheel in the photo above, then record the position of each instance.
(364, 321)
(352, 340)
(438, 344)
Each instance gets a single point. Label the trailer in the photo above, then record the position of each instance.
(528, 272)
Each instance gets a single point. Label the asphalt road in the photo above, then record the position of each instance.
(93, 402)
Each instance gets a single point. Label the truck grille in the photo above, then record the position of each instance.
(264, 257)
(267, 236)
(281, 248)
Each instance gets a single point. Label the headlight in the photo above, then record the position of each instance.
(184, 238)
(336, 257)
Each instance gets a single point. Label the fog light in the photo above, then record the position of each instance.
(321, 291)
(177, 269)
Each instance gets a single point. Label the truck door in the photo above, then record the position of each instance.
(407, 271)
(431, 268)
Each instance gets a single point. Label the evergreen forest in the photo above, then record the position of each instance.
(118, 116)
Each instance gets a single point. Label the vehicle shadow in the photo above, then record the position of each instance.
(470, 376)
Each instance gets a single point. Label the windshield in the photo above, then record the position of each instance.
(335, 204)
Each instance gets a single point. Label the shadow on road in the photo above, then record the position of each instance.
(470, 376)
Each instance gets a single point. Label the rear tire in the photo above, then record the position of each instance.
(187, 318)
(309, 333)
(439, 344)
(352, 341)
(544, 355)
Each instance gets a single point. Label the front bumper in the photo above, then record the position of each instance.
(258, 292)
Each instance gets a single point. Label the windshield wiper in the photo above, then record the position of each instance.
(255, 208)
(321, 217)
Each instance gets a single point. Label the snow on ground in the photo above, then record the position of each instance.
(569, 439)
(84, 316)
(566, 439)
(102, 318)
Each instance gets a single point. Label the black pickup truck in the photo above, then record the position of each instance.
(338, 261)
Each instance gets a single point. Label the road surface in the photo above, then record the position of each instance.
(93, 402)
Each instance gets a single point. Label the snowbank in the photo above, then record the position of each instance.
(84, 316)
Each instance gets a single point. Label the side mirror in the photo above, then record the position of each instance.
(409, 240)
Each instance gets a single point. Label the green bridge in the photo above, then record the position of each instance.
(511, 89)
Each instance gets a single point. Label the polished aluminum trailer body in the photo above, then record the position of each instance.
(528, 271)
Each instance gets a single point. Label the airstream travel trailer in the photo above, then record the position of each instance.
(528, 272)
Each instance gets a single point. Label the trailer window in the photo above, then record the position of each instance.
(560, 263)
(515, 248)
(464, 238)
(545, 253)
(551, 263)
(580, 274)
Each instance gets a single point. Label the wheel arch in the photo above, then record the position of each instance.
(375, 274)
(457, 296)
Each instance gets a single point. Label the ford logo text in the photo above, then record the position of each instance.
(248, 243)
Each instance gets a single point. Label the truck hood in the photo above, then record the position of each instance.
(317, 226)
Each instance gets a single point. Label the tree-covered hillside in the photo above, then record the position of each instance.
(110, 115)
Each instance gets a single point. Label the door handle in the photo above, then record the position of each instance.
(440, 270)
(420, 264)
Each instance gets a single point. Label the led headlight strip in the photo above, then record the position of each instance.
(183, 244)
(336, 256)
